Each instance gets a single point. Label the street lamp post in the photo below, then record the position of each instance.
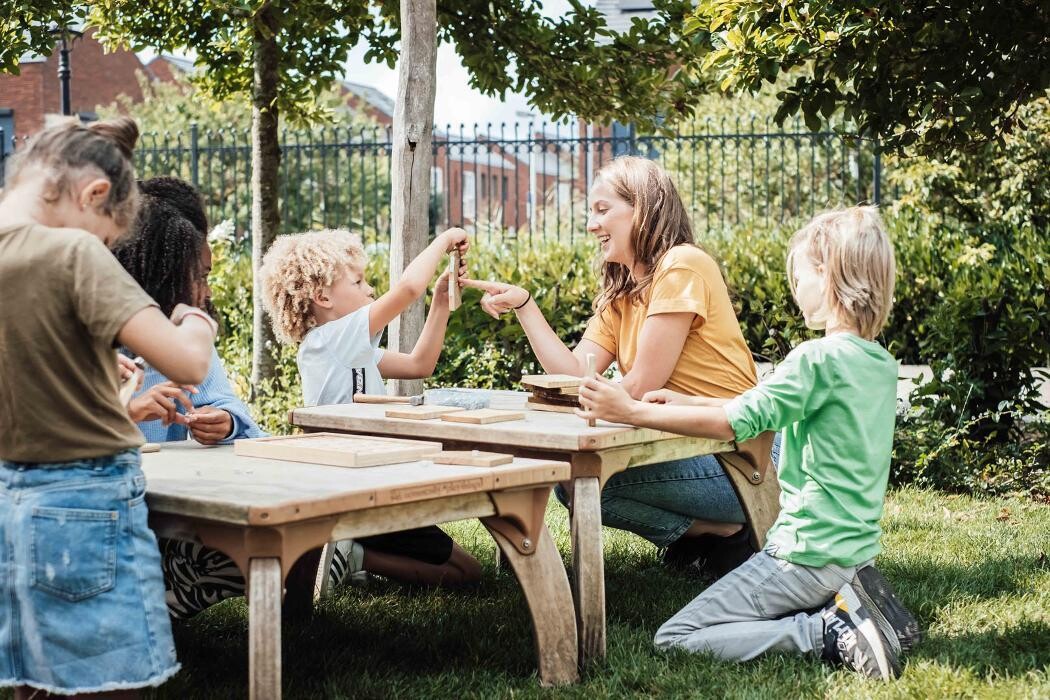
(65, 36)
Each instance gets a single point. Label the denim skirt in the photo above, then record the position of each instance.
(81, 591)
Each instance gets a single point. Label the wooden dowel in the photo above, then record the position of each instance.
(591, 371)
(454, 299)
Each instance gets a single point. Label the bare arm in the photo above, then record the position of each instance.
(414, 280)
(600, 398)
(659, 347)
(180, 352)
(422, 361)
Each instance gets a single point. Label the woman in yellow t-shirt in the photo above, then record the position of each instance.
(665, 316)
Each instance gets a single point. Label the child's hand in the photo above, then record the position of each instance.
(498, 297)
(441, 286)
(209, 425)
(456, 238)
(159, 403)
(607, 400)
(666, 396)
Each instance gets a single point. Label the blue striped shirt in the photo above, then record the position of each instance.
(214, 391)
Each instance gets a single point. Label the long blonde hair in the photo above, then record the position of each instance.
(660, 223)
(858, 261)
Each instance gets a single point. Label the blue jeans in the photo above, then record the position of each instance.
(661, 501)
(81, 592)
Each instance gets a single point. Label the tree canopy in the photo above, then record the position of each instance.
(24, 28)
(922, 77)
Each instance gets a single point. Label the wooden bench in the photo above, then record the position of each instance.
(595, 455)
(265, 514)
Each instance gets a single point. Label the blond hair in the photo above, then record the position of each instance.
(857, 256)
(298, 266)
(660, 223)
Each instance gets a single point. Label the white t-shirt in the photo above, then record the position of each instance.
(338, 359)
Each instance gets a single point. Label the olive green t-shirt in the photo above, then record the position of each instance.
(63, 299)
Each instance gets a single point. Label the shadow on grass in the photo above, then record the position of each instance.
(928, 586)
(1022, 648)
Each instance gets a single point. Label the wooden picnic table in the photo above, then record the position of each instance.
(265, 514)
(594, 453)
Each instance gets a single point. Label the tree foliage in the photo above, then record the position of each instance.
(24, 28)
(923, 77)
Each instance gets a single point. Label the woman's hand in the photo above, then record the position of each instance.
(498, 298)
(667, 396)
(210, 425)
(159, 403)
(600, 398)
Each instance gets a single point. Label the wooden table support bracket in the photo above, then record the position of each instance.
(519, 517)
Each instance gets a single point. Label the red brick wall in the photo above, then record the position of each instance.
(97, 79)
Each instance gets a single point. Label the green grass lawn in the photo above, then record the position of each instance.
(976, 572)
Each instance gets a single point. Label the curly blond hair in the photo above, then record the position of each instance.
(299, 265)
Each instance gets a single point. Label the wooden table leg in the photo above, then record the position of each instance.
(546, 588)
(264, 628)
(588, 564)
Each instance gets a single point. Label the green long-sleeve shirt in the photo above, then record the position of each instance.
(835, 400)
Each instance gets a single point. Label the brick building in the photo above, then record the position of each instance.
(27, 100)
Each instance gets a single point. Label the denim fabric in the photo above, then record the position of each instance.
(81, 592)
(765, 604)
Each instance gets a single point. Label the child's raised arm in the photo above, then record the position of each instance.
(414, 280)
(179, 348)
(422, 361)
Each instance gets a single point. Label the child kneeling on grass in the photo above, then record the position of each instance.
(317, 296)
(812, 589)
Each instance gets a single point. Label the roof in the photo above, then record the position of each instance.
(619, 13)
(184, 65)
(371, 95)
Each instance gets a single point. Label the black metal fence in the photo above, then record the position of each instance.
(523, 182)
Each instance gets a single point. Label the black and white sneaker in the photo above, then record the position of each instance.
(894, 620)
(852, 639)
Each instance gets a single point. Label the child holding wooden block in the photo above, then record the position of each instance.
(81, 591)
(317, 297)
(835, 399)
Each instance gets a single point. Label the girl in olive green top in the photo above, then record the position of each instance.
(835, 401)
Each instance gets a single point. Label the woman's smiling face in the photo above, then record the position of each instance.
(610, 222)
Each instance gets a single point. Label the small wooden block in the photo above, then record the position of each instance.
(473, 458)
(551, 381)
(553, 407)
(484, 416)
(337, 449)
(421, 412)
(552, 396)
(454, 299)
(150, 447)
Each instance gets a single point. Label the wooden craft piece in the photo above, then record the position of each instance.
(537, 405)
(472, 458)
(149, 447)
(546, 396)
(591, 371)
(421, 412)
(454, 299)
(550, 381)
(483, 416)
(337, 449)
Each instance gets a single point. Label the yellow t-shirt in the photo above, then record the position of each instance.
(715, 360)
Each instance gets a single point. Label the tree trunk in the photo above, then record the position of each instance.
(412, 160)
(266, 161)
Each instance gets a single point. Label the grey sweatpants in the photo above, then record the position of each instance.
(765, 604)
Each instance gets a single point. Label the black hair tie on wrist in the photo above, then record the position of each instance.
(527, 300)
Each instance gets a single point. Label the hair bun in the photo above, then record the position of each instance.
(122, 131)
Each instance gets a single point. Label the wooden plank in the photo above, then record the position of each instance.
(555, 396)
(472, 458)
(536, 405)
(484, 416)
(550, 381)
(421, 412)
(264, 629)
(337, 449)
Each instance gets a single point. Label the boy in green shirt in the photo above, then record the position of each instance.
(835, 401)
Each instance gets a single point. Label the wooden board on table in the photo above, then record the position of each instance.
(337, 449)
(472, 458)
(553, 397)
(421, 412)
(551, 381)
(535, 405)
(483, 416)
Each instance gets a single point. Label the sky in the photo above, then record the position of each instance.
(456, 102)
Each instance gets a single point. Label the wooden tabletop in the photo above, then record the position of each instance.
(540, 430)
(213, 483)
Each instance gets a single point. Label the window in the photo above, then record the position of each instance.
(7, 123)
(436, 183)
(470, 209)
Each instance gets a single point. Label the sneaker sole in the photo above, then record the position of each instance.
(895, 621)
(882, 650)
